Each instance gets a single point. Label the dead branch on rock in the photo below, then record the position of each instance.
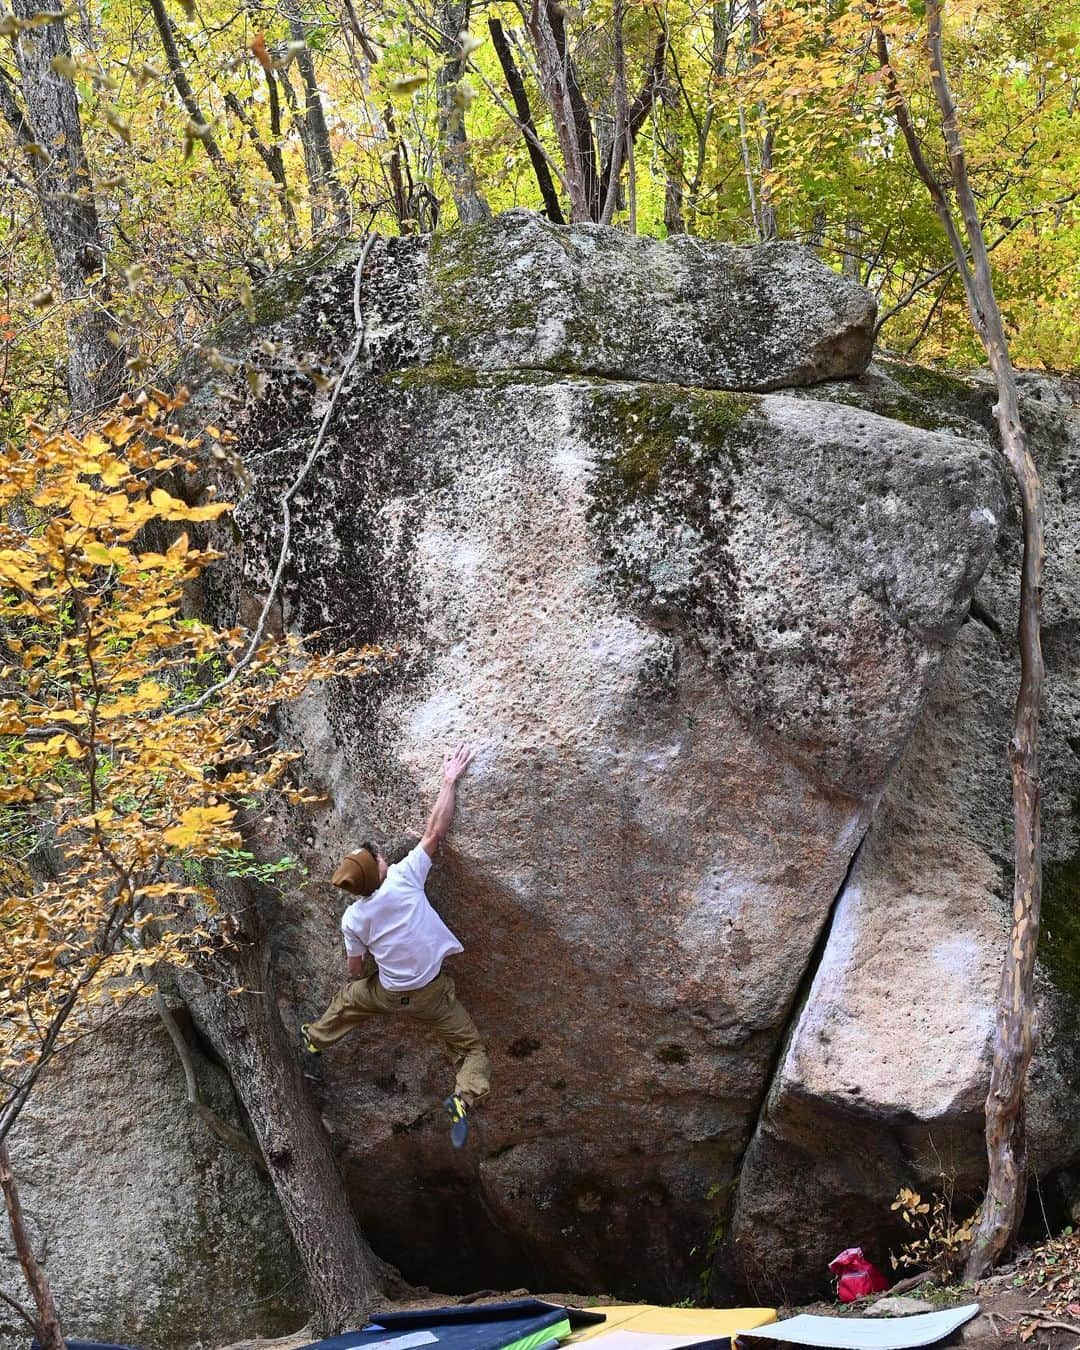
(285, 502)
(225, 1132)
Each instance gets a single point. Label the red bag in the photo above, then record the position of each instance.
(857, 1276)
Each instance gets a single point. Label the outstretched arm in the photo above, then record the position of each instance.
(442, 813)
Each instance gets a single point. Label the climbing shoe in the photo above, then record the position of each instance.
(459, 1125)
(309, 1044)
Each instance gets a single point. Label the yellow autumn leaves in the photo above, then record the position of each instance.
(97, 753)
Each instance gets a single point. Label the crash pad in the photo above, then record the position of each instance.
(863, 1333)
(644, 1326)
(83, 1345)
(520, 1324)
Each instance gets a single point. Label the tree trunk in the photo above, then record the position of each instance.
(766, 210)
(815, 237)
(182, 85)
(629, 119)
(48, 1323)
(325, 180)
(558, 82)
(346, 1278)
(50, 122)
(851, 259)
(312, 169)
(1014, 1034)
(398, 169)
(537, 158)
(452, 17)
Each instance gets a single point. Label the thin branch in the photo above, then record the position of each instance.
(293, 488)
(30, 1321)
(225, 1132)
(928, 318)
(899, 108)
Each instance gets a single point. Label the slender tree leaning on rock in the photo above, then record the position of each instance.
(1014, 1029)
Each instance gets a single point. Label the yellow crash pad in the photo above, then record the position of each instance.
(650, 1320)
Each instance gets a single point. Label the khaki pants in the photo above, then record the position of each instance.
(435, 1006)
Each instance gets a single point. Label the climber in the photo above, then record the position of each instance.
(394, 921)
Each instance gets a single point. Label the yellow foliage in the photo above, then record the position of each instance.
(939, 1240)
(96, 750)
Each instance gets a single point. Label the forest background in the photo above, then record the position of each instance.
(220, 138)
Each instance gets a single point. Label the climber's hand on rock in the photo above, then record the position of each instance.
(454, 765)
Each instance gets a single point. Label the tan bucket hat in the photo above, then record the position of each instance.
(357, 873)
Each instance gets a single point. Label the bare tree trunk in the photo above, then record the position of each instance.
(182, 85)
(50, 122)
(629, 118)
(1014, 1037)
(851, 260)
(312, 168)
(326, 180)
(559, 86)
(748, 173)
(452, 18)
(402, 209)
(816, 235)
(617, 154)
(47, 1329)
(674, 193)
(766, 209)
(346, 1278)
(516, 85)
(1014, 1040)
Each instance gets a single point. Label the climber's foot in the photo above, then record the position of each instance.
(309, 1044)
(459, 1124)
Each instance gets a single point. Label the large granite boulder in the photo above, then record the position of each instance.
(691, 631)
(885, 1071)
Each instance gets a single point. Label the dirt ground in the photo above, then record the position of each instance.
(1034, 1302)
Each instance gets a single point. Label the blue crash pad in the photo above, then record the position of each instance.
(484, 1326)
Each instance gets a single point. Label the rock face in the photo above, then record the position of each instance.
(729, 868)
(152, 1234)
(885, 1071)
(691, 631)
(527, 294)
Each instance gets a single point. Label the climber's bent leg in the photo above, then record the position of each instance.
(436, 1005)
(352, 1004)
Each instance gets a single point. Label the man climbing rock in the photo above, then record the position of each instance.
(394, 921)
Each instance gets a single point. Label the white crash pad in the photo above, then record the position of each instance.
(865, 1333)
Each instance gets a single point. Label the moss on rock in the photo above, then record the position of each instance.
(927, 383)
(444, 374)
(1059, 949)
(644, 428)
(667, 460)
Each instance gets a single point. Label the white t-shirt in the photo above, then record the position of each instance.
(398, 926)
